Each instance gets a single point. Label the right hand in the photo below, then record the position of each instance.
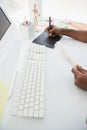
(54, 31)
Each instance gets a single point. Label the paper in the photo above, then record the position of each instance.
(4, 89)
(62, 51)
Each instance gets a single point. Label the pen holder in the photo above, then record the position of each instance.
(27, 31)
(31, 31)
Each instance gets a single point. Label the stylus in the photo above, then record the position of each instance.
(49, 23)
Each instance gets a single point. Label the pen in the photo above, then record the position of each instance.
(49, 23)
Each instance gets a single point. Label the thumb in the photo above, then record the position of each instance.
(76, 72)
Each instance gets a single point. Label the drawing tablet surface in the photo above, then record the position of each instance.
(45, 39)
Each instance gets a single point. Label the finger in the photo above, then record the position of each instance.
(81, 69)
(52, 32)
(46, 30)
(76, 82)
(76, 72)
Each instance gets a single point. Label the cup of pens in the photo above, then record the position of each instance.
(27, 30)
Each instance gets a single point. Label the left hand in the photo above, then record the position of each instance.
(80, 76)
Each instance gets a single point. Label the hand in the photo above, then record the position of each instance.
(53, 31)
(80, 76)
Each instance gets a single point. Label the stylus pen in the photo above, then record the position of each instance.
(49, 23)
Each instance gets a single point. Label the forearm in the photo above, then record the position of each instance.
(76, 34)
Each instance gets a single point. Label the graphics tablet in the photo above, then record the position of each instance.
(45, 39)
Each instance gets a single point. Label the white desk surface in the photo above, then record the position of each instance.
(65, 104)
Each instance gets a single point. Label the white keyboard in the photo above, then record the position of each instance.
(29, 96)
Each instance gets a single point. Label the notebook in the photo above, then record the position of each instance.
(45, 39)
(4, 89)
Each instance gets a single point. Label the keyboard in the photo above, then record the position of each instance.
(28, 100)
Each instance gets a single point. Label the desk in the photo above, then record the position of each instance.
(65, 104)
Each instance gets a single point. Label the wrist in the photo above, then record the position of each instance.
(63, 31)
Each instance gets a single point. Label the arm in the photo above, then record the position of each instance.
(80, 76)
(76, 34)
